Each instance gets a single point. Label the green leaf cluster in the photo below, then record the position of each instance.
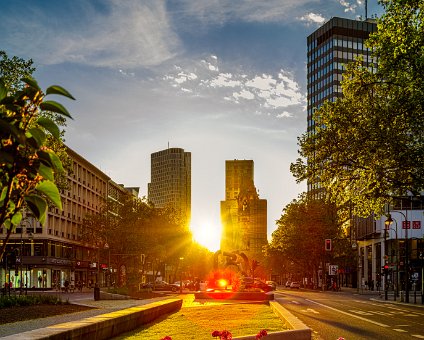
(368, 146)
(27, 166)
(302, 229)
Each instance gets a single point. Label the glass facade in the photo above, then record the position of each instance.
(330, 48)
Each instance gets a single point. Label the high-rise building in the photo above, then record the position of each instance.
(243, 213)
(330, 48)
(170, 184)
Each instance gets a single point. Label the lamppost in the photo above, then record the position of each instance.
(384, 270)
(106, 246)
(181, 274)
(406, 255)
(387, 224)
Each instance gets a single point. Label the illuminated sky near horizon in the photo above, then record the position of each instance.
(221, 79)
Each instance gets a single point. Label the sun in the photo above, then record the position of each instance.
(207, 234)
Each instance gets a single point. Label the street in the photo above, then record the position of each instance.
(331, 315)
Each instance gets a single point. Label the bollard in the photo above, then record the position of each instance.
(96, 292)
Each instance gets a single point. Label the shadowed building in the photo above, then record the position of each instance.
(243, 213)
(170, 184)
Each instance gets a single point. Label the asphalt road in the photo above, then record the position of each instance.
(331, 315)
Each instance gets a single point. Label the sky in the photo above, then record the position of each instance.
(222, 79)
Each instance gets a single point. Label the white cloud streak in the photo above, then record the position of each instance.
(128, 34)
(221, 11)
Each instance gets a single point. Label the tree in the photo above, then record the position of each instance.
(368, 146)
(13, 70)
(302, 229)
(137, 228)
(27, 166)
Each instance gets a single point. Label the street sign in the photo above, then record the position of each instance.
(332, 269)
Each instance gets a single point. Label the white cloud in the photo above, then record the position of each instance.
(284, 114)
(224, 80)
(265, 82)
(263, 94)
(312, 18)
(126, 35)
(348, 7)
(220, 11)
(245, 94)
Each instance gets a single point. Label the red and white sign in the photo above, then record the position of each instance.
(407, 224)
(416, 224)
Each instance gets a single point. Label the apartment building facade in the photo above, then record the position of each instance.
(47, 256)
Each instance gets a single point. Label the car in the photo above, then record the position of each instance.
(272, 284)
(162, 285)
(288, 283)
(294, 284)
(249, 282)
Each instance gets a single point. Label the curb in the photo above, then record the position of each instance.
(104, 326)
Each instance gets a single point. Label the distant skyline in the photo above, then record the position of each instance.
(221, 79)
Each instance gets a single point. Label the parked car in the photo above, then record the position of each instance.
(288, 283)
(295, 284)
(162, 285)
(249, 282)
(272, 284)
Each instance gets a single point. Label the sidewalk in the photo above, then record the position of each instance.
(414, 297)
(86, 299)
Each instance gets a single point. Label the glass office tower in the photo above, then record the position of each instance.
(330, 47)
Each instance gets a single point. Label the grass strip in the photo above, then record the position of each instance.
(200, 321)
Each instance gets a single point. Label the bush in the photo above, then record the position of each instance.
(29, 300)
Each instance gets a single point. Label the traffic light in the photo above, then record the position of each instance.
(385, 269)
(328, 246)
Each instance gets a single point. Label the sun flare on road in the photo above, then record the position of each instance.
(207, 234)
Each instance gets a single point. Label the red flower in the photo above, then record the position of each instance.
(261, 334)
(226, 335)
(216, 334)
(167, 338)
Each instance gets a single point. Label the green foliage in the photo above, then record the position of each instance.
(136, 228)
(302, 229)
(25, 157)
(369, 145)
(13, 70)
(30, 300)
(27, 166)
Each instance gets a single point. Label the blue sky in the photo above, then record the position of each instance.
(223, 79)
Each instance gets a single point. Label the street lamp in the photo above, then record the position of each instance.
(387, 223)
(106, 246)
(181, 274)
(406, 255)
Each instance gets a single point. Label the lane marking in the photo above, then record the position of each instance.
(362, 312)
(400, 330)
(349, 314)
(312, 310)
(418, 336)
(295, 302)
